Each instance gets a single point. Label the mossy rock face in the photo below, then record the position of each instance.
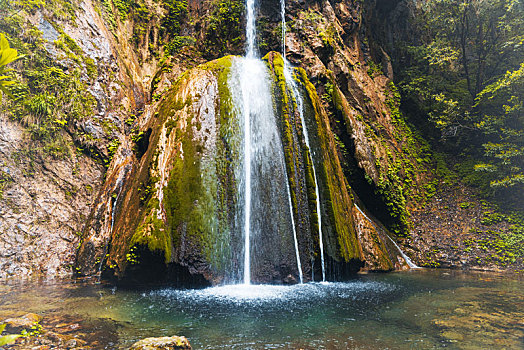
(349, 236)
(180, 197)
(185, 198)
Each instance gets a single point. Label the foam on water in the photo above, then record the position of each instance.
(272, 295)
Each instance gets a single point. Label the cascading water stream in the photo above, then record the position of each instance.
(263, 154)
(118, 187)
(300, 106)
(404, 256)
(247, 193)
(299, 265)
(250, 55)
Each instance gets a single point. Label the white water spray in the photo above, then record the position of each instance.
(264, 166)
(245, 86)
(247, 194)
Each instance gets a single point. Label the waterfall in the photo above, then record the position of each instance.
(297, 253)
(300, 106)
(250, 54)
(247, 180)
(404, 256)
(251, 29)
(264, 169)
(118, 187)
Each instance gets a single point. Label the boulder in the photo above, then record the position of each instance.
(162, 343)
(16, 325)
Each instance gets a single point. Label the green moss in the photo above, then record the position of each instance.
(374, 69)
(152, 232)
(223, 34)
(199, 189)
(286, 107)
(48, 97)
(336, 194)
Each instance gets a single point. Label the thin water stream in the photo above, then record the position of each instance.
(288, 75)
(408, 261)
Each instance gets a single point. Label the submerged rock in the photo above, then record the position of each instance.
(18, 324)
(162, 343)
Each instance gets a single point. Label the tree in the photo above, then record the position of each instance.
(465, 76)
(502, 122)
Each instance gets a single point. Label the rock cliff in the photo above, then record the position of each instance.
(129, 160)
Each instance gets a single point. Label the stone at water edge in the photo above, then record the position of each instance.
(16, 325)
(162, 343)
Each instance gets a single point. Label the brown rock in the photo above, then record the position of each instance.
(16, 325)
(162, 343)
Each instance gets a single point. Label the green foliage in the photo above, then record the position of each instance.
(502, 122)
(176, 43)
(7, 55)
(373, 68)
(50, 94)
(111, 149)
(176, 12)
(7, 339)
(144, 15)
(123, 7)
(491, 218)
(464, 76)
(465, 205)
(132, 257)
(224, 33)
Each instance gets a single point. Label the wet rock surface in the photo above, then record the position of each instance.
(45, 199)
(43, 204)
(162, 343)
(57, 331)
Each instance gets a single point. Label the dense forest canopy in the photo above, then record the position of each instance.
(465, 73)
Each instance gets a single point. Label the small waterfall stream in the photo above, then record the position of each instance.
(404, 256)
(288, 75)
(118, 188)
(295, 240)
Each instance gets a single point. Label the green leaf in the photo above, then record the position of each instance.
(4, 44)
(7, 56)
(8, 339)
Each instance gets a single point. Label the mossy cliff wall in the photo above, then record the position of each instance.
(74, 90)
(179, 197)
(103, 69)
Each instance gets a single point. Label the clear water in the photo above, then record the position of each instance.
(418, 309)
